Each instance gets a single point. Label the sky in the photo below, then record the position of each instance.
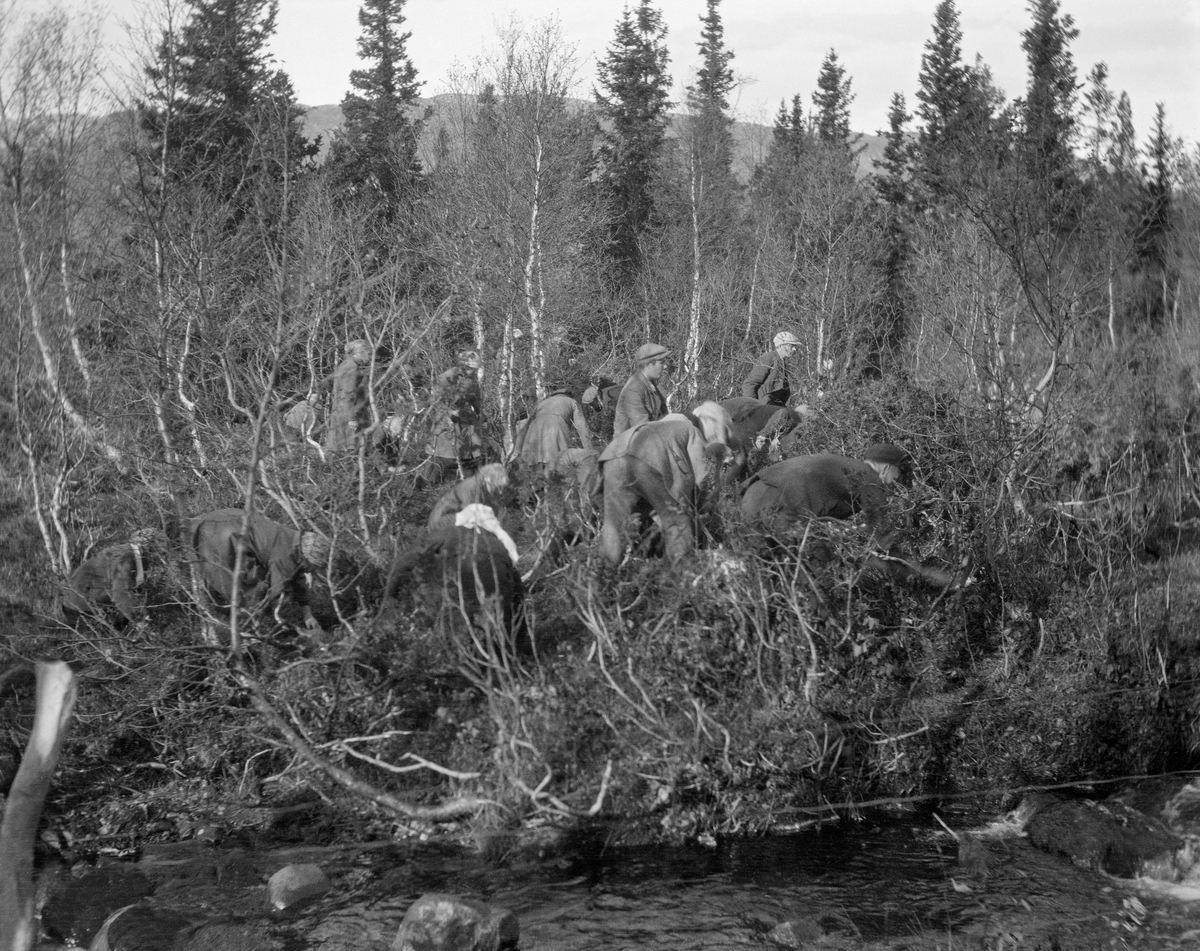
(1152, 47)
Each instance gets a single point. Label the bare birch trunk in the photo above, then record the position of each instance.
(532, 276)
(691, 350)
(91, 433)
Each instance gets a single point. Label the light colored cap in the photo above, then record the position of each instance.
(785, 338)
(714, 420)
(649, 352)
(315, 549)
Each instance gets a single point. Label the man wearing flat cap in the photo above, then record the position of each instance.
(641, 401)
(767, 380)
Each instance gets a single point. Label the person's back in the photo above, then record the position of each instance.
(823, 485)
(665, 465)
(106, 579)
(548, 431)
(280, 553)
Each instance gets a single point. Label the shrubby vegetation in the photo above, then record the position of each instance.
(1011, 296)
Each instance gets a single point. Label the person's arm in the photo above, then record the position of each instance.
(121, 572)
(297, 587)
(581, 426)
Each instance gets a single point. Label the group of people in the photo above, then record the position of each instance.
(668, 468)
(659, 467)
(267, 562)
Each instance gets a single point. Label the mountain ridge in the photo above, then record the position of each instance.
(752, 140)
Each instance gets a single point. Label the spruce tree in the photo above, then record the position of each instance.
(633, 97)
(1153, 237)
(956, 107)
(944, 81)
(375, 152)
(832, 100)
(894, 168)
(708, 98)
(892, 185)
(1122, 149)
(218, 107)
(1048, 130)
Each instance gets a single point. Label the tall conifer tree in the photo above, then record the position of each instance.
(832, 100)
(708, 97)
(956, 108)
(633, 97)
(375, 152)
(1048, 131)
(220, 109)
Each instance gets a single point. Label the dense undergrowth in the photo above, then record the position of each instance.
(752, 687)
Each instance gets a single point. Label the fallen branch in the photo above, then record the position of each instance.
(445, 811)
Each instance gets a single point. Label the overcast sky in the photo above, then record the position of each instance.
(1152, 47)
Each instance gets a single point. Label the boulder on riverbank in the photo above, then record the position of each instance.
(1109, 836)
(437, 922)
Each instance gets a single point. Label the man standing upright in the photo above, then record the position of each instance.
(767, 380)
(641, 401)
(350, 413)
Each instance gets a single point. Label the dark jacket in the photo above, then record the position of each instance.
(640, 402)
(816, 486)
(460, 566)
(457, 409)
(767, 380)
(271, 549)
(106, 579)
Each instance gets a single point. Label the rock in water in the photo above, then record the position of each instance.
(436, 922)
(295, 885)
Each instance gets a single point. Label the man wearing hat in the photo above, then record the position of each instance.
(641, 401)
(767, 380)
(823, 485)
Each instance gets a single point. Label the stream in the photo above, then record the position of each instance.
(885, 883)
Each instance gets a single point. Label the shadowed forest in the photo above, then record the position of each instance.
(1010, 293)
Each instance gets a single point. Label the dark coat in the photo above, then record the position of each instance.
(108, 579)
(461, 563)
(752, 418)
(640, 402)
(273, 566)
(815, 486)
(767, 381)
(457, 409)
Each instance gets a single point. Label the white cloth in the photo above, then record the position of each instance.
(137, 558)
(481, 518)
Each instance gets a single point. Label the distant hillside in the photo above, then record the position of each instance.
(751, 140)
